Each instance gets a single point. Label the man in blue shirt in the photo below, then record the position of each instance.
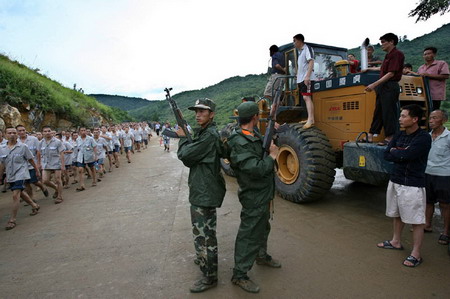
(405, 195)
(278, 69)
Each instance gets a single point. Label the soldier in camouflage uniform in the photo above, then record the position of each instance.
(206, 189)
(255, 176)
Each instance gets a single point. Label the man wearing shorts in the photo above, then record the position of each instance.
(33, 145)
(437, 173)
(127, 142)
(145, 133)
(305, 75)
(102, 148)
(109, 146)
(116, 145)
(15, 156)
(86, 156)
(68, 151)
(137, 137)
(405, 195)
(52, 161)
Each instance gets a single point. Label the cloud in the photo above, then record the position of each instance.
(135, 47)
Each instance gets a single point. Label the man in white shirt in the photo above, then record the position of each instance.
(86, 156)
(52, 161)
(116, 145)
(305, 75)
(127, 142)
(102, 148)
(33, 145)
(15, 157)
(109, 146)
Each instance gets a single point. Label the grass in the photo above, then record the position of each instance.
(20, 86)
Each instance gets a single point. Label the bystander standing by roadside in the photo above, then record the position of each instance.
(405, 195)
(438, 173)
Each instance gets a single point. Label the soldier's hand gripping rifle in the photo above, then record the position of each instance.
(178, 116)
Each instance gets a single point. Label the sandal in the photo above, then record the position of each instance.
(443, 239)
(413, 260)
(81, 189)
(308, 125)
(10, 225)
(94, 184)
(58, 201)
(34, 211)
(388, 245)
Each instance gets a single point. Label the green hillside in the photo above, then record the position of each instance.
(121, 102)
(28, 90)
(226, 94)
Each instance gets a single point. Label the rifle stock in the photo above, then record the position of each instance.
(178, 115)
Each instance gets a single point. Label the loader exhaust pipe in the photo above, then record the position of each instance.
(364, 59)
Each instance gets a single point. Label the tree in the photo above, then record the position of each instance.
(427, 8)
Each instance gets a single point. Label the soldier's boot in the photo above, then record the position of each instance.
(246, 284)
(268, 261)
(204, 284)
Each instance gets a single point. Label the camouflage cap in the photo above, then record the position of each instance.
(248, 109)
(204, 103)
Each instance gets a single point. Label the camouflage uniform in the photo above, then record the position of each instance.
(255, 177)
(206, 192)
(204, 222)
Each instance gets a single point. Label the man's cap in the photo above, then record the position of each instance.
(204, 103)
(248, 109)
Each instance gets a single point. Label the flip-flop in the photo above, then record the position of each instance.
(415, 262)
(58, 201)
(443, 239)
(80, 189)
(388, 245)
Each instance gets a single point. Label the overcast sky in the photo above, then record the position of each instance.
(137, 48)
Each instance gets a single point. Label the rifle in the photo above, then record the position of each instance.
(270, 130)
(178, 116)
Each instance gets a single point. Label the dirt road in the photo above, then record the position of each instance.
(130, 237)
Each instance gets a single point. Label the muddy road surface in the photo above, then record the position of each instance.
(130, 237)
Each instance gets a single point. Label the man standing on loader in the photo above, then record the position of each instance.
(305, 75)
(278, 69)
(387, 89)
(255, 176)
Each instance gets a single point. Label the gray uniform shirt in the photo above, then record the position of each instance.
(128, 139)
(51, 154)
(16, 162)
(86, 150)
(101, 144)
(67, 157)
(34, 146)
